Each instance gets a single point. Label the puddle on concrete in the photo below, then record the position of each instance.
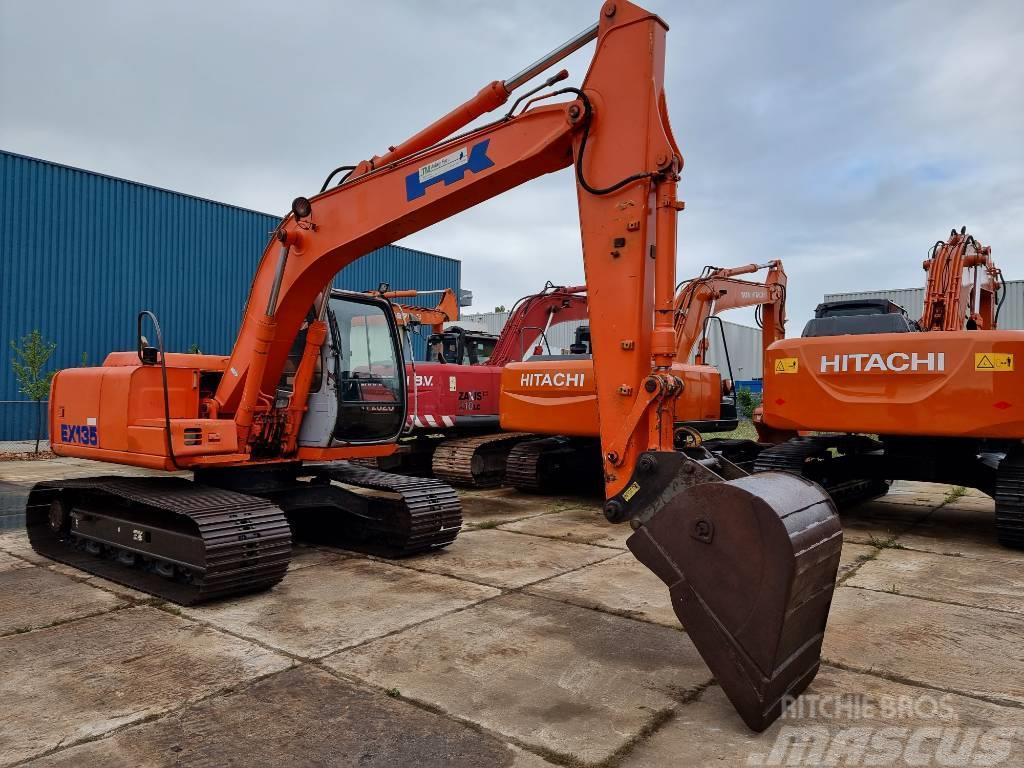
(12, 506)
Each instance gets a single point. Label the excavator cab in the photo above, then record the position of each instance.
(460, 346)
(362, 397)
(581, 341)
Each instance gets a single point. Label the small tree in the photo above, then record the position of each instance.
(30, 357)
(500, 308)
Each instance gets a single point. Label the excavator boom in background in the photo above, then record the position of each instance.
(411, 315)
(750, 561)
(556, 396)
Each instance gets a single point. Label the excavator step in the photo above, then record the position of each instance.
(811, 457)
(476, 462)
(175, 539)
(751, 567)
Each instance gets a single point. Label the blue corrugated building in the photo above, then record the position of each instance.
(81, 253)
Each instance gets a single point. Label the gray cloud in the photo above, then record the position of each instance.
(844, 138)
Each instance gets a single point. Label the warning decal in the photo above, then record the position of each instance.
(995, 362)
(787, 365)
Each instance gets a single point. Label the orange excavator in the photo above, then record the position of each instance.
(750, 560)
(455, 429)
(411, 315)
(942, 393)
(556, 395)
(452, 429)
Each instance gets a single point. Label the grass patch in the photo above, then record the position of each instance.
(745, 431)
(487, 524)
(889, 543)
(394, 693)
(956, 492)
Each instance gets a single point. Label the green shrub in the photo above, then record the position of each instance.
(746, 402)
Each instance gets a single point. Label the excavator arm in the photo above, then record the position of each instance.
(776, 536)
(718, 290)
(615, 132)
(446, 310)
(950, 305)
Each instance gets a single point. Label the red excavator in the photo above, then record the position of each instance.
(934, 399)
(750, 560)
(556, 395)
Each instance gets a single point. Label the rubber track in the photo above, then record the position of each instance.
(1009, 497)
(453, 459)
(246, 539)
(791, 457)
(429, 510)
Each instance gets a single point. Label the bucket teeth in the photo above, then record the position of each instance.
(751, 567)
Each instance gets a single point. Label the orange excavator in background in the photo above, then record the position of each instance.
(718, 289)
(556, 395)
(750, 560)
(410, 315)
(452, 428)
(941, 393)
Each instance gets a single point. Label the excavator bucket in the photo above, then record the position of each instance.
(751, 567)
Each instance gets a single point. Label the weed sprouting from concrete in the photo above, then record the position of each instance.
(394, 693)
(956, 492)
(889, 543)
(893, 589)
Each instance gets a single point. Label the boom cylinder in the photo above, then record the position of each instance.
(570, 46)
(490, 97)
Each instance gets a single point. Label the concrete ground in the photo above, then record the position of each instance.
(535, 639)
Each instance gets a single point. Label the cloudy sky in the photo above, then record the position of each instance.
(842, 137)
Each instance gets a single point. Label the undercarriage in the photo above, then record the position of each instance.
(230, 531)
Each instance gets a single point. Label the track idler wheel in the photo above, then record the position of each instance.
(751, 567)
